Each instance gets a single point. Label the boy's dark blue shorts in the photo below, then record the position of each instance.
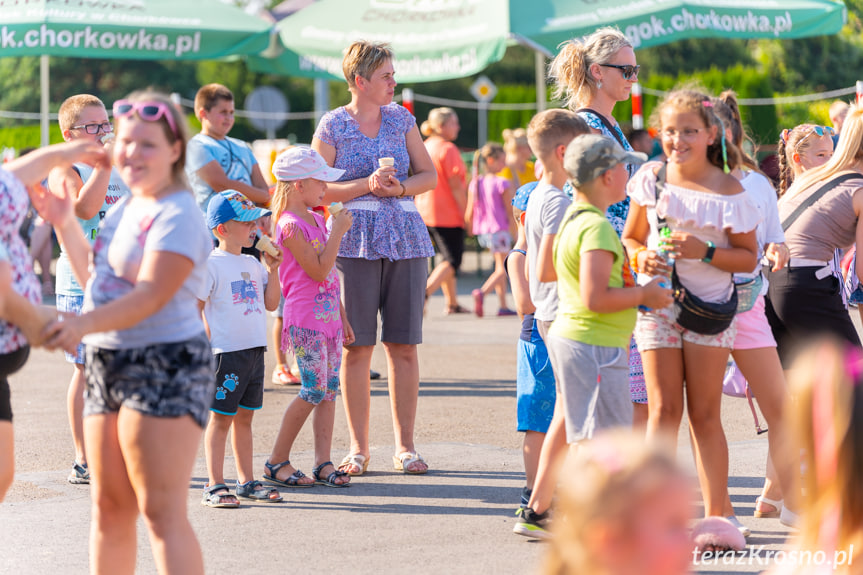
(239, 381)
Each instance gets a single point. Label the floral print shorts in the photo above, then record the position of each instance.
(319, 359)
(657, 329)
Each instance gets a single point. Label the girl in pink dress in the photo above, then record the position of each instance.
(488, 218)
(314, 320)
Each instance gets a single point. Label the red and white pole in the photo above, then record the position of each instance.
(408, 100)
(637, 117)
(859, 91)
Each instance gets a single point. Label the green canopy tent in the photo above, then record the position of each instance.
(446, 39)
(431, 40)
(550, 22)
(127, 29)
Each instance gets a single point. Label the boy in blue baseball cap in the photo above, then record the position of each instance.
(231, 303)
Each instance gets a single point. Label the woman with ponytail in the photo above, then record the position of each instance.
(591, 75)
(820, 213)
(442, 209)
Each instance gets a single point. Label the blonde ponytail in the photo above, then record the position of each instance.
(570, 69)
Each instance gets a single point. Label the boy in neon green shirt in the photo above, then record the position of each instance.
(596, 314)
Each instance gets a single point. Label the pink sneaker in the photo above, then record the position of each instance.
(477, 302)
(283, 376)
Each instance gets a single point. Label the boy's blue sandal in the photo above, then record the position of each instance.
(330, 481)
(225, 500)
(292, 481)
(256, 491)
(79, 475)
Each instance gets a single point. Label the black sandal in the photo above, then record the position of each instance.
(330, 481)
(292, 481)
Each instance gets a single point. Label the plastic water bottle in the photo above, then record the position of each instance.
(667, 255)
(663, 283)
(664, 245)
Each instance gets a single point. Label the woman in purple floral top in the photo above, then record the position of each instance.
(383, 256)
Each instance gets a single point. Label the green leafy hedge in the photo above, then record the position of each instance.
(18, 137)
(761, 121)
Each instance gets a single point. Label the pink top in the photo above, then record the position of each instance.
(308, 304)
(489, 213)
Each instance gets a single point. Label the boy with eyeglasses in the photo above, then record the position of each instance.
(94, 190)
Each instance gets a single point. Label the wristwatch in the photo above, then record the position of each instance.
(711, 248)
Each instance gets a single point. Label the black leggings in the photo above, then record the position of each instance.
(800, 307)
(9, 364)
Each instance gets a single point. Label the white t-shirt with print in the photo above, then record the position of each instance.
(234, 295)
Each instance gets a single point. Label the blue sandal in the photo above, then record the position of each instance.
(292, 481)
(256, 491)
(330, 481)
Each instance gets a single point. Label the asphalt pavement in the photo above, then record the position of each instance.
(456, 519)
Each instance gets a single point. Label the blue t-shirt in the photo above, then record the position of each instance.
(132, 227)
(234, 156)
(117, 190)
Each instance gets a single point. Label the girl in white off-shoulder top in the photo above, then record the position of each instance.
(713, 222)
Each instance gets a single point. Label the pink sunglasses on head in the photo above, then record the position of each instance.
(147, 111)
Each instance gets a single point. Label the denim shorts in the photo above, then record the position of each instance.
(72, 304)
(497, 243)
(160, 380)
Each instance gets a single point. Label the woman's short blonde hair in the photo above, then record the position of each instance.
(363, 58)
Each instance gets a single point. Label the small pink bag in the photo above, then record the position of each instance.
(735, 385)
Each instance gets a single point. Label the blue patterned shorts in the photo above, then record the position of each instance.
(72, 304)
(534, 384)
(161, 380)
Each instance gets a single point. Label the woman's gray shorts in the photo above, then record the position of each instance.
(396, 289)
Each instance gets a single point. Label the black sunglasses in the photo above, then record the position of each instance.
(627, 69)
